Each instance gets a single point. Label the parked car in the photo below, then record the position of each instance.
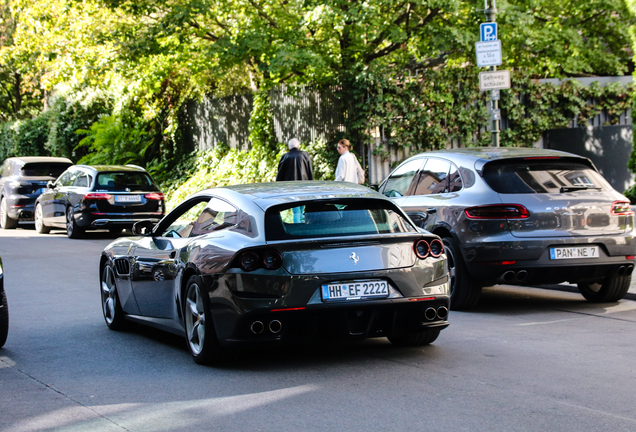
(519, 216)
(279, 262)
(23, 180)
(110, 197)
(4, 309)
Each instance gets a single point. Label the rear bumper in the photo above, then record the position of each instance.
(20, 207)
(350, 321)
(124, 221)
(527, 261)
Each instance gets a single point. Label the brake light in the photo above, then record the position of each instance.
(288, 309)
(97, 196)
(421, 249)
(498, 211)
(422, 299)
(621, 208)
(252, 260)
(158, 196)
(437, 248)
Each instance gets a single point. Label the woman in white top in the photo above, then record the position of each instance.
(347, 169)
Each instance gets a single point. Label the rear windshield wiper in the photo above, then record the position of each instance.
(577, 188)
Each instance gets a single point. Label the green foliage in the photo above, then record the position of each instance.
(25, 137)
(261, 125)
(69, 114)
(435, 108)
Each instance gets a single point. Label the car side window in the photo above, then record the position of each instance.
(454, 179)
(81, 180)
(64, 179)
(399, 183)
(6, 168)
(216, 216)
(434, 178)
(182, 224)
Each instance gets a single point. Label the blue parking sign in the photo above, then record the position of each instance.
(488, 31)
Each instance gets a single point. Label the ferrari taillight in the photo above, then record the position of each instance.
(498, 211)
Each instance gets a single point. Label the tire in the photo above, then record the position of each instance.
(6, 222)
(415, 339)
(73, 231)
(465, 291)
(111, 306)
(200, 334)
(4, 319)
(39, 221)
(611, 289)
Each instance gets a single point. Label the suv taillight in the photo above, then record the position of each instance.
(158, 196)
(97, 196)
(621, 208)
(498, 211)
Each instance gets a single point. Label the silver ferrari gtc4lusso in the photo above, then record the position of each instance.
(279, 262)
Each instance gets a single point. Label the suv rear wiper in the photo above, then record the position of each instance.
(577, 188)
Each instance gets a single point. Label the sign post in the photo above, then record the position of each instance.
(489, 55)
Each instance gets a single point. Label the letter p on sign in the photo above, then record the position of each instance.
(488, 31)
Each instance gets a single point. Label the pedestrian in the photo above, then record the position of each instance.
(348, 168)
(295, 164)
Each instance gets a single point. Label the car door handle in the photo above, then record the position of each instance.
(431, 210)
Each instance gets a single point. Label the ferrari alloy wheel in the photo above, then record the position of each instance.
(200, 333)
(39, 221)
(113, 313)
(73, 231)
(465, 292)
(415, 339)
(611, 289)
(6, 222)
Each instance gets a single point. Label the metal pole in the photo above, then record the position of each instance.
(491, 16)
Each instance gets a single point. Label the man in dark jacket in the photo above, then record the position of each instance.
(295, 164)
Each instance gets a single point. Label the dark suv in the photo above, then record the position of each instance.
(520, 216)
(111, 197)
(22, 181)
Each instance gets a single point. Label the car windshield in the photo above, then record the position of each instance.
(542, 176)
(121, 181)
(333, 219)
(46, 169)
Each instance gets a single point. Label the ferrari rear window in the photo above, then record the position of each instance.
(333, 219)
(120, 181)
(46, 169)
(530, 176)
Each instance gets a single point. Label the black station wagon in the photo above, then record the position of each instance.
(111, 197)
(519, 216)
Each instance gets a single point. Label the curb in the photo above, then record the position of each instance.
(574, 289)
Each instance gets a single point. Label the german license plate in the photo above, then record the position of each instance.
(355, 290)
(574, 252)
(128, 198)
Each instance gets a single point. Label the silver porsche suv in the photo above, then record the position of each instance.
(519, 216)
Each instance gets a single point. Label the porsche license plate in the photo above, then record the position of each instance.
(128, 198)
(355, 290)
(574, 252)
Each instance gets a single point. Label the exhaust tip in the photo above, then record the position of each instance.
(442, 312)
(508, 276)
(430, 314)
(629, 270)
(621, 270)
(275, 326)
(522, 275)
(257, 327)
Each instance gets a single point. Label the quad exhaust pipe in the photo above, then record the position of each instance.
(257, 327)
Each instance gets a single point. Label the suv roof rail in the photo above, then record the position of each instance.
(135, 166)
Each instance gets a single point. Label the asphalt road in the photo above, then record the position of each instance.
(526, 359)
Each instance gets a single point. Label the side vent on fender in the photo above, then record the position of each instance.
(122, 266)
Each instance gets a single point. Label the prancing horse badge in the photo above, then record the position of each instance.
(353, 257)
